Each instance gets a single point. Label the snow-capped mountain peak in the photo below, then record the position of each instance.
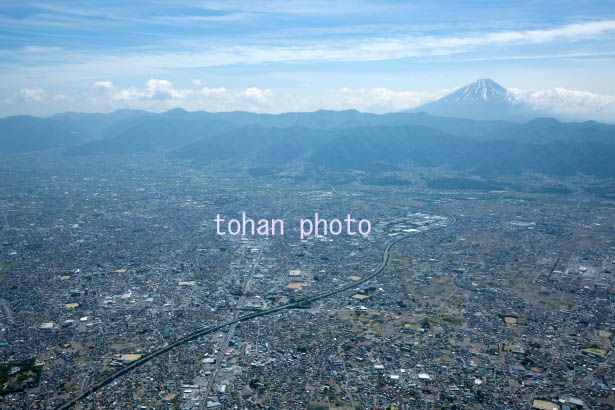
(484, 99)
(483, 89)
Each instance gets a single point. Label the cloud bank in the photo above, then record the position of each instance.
(160, 95)
(32, 94)
(569, 104)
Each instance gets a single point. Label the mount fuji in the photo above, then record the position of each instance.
(482, 100)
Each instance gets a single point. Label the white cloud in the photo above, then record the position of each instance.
(103, 85)
(197, 54)
(160, 95)
(379, 100)
(213, 91)
(569, 104)
(32, 94)
(381, 48)
(59, 97)
(254, 93)
(574, 32)
(128, 94)
(163, 89)
(155, 89)
(41, 49)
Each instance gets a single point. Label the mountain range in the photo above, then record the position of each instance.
(435, 137)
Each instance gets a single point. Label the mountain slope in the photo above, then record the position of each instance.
(375, 149)
(255, 143)
(425, 147)
(336, 140)
(540, 130)
(23, 133)
(129, 131)
(168, 130)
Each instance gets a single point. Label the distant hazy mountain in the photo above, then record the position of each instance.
(481, 100)
(260, 144)
(24, 133)
(331, 139)
(155, 132)
(375, 149)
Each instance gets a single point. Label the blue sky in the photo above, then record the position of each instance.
(275, 56)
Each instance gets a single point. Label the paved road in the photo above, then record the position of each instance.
(231, 330)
